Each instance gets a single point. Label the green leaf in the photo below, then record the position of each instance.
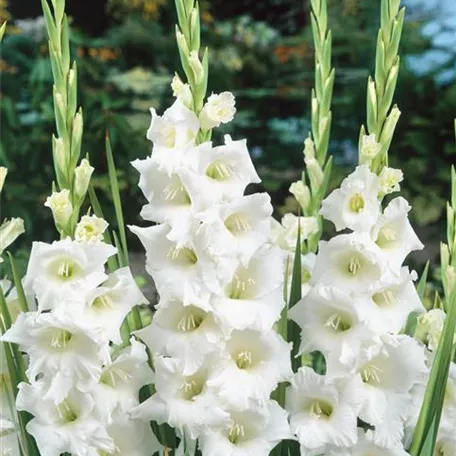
(2, 30)
(116, 199)
(421, 287)
(18, 284)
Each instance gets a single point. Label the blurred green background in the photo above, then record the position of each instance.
(262, 52)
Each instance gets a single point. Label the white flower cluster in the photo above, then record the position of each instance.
(359, 301)
(81, 386)
(216, 357)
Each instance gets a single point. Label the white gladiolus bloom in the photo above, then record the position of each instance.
(132, 437)
(253, 297)
(185, 402)
(120, 381)
(176, 129)
(10, 230)
(365, 446)
(61, 207)
(68, 426)
(351, 262)
(65, 271)
(394, 234)
(219, 108)
(222, 172)
(389, 180)
(430, 326)
(182, 273)
(187, 333)
(355, 204)
(239, 227)
(90, 229)
(390, 302)
(323, 413)
(369, 148)
(386, 398)
(251, 366)
(248, 433)
(60, 347)
(331, 322)
(291, 224)
(108, 305)
(301, 192)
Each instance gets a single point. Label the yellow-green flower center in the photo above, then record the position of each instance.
(240, 288)
(66, 413)
(321, 409)
(191, 319)
(219, 170)
(60, 338)
(191, 387)
(356, 203)
(386, 236)
(244, 359)
(113, 376)
(371, 374)
(338, 322)
(235, 433)
(184, 256)
(237, 223)
(386, 298)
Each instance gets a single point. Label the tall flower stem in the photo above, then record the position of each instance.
(381, 118)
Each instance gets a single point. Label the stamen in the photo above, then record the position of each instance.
(354, 265)
(386, 298)
(190, 322)
(356, 203)
(320, 409)
(66, 413)
(386, 236)
(219, 170)
(103, 302)
(183, 255)
(236, 431)
(112, 376)
(244, 359)
(60, 338)
(371, 372)
(336, 322)
(191, 388)
(239, 287)
(236, 223)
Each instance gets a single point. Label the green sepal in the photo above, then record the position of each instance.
(18, 284)
(371, 106)
(65, 42)
(380, 71)
(50, 24)
(325, 103)
(393, 47)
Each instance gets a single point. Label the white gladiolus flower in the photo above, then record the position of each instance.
(59, 347)
(183, 401)
(65, 271)
(394, 235)
(68, 426)
(389, 180)
(182, 91)
(429, 327)
(10, 230)
(61, 207)
(120, 381)
(222, 172)
(253, 298)
(355, 204)
(239, 227)
(366, 446)
(187, 333)
(109, 304)
(292, 224)
(331, 322)
(386, 398)
(176, 129)
(219, 108)
(390, 302)
(301, 192)
(90, 229)
(9, 444)
(249, 433)
(132, 437)
(251, 366)
(369, 148)
(351, 262)
(323, 413)
(180, 272)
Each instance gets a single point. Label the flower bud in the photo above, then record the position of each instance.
(3, 173)
(61, 207)
(60, 154)
(83, 173)
(181, 42)
(451, 277)
(9, 232)
(313, 167)
(182, 91)
(390, 125)
(389, 180)
(90, 229)
(219, 108)
(196, 66)
(369, 148)
(301, 192)
(309, 148)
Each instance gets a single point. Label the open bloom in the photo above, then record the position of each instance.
(351, 262)
(176, 129)
(67, 426)
(253, 297)
(292, 224)
(248, 433)
(222, 172)
(239, 227)
(185, 402)
(394, 234)
(251, 366)
(322, 412)
(430, 326)
(120, 381)
(65, 271)
(331, 322)
(10, 230)
(69, 352)
(187, 333)
(355, 204)
(109, 304)
(218, 109)
(90, 229)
